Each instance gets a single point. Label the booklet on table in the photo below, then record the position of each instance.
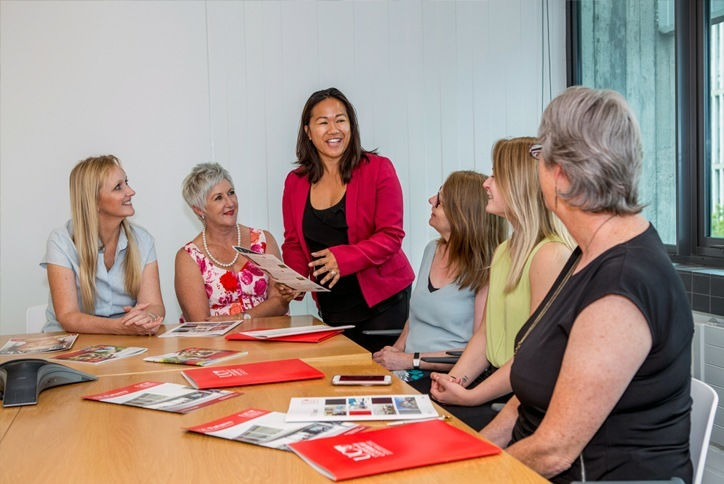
(101, 353)
(391, 449)
(201, 328)
(251, 374)
(168, 397)
(44, 344)
(196, 356)
(298, 334)
(269, 429)
(368, 407)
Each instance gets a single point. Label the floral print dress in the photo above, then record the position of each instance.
(233, 292)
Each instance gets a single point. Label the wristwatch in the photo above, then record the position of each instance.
(416, 361)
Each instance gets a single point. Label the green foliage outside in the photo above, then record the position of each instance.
(717, 221)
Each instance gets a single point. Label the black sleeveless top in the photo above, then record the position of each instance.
(323, 229)
(646, 435)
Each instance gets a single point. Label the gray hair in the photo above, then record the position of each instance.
(593, 136)
(203, 177)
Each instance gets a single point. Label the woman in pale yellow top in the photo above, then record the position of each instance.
(523, 270)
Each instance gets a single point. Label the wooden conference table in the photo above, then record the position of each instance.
(67, 439)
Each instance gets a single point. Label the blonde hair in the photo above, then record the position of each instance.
(86, 181)
(516, 177)
(474, 233)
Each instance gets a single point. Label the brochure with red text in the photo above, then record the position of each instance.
(169, 397)
(44, 344)
(101, 353)
(251, 374)
(196, 356)
(269, 429)
(299, 334)
(368, 407)
(201, 328)
(391, 449)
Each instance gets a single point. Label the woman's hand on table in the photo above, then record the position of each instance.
(325, 262)
(138, 320)
(393, 358)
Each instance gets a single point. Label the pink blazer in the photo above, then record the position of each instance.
(374, 218)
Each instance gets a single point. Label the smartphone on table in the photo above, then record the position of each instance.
(361, 380)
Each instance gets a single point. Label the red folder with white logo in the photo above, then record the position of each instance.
(391, 449)
(251, 374)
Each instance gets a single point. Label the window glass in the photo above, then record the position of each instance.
(630, 47)
(715, 171)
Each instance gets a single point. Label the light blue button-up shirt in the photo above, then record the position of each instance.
(111, 294)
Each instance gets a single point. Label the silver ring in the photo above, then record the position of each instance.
(333, 273)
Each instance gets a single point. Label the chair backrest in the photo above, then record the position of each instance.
(703, 407)
(35, 318)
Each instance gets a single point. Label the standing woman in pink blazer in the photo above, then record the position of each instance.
(342, 211)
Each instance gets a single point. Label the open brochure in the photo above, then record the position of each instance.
(281, 272)
(196, 356)
(44, 344)
(391, 449)
(101, 353)
(201, 328)
(169, 397)
(269, 429)
(370, 407)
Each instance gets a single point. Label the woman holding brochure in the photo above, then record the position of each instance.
(523, 269)
(602, 371)
(449, 298)
(213, 281)
(102, 269)
(342, 212)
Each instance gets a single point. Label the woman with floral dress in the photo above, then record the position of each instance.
(213, 281)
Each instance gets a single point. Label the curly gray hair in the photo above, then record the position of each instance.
(593, 136)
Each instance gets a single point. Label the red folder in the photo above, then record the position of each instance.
(391, 449)
(292, 338)
(251, 374)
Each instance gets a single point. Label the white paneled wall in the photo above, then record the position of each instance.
(164, 85)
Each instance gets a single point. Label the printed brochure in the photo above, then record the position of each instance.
(281, 272)
(101, 353)
(196, 356)
(299, 334)
(45, 344)
(251, 374)
(370, 407)
(269, 429)
(168, 397)
(201, 328)
(391, 449)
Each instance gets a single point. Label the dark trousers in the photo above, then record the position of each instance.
(390, 317)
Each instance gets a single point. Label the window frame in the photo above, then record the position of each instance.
(693, 143)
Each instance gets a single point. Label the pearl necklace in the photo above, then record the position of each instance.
(213, 259)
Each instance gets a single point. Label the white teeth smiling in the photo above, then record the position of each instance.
(334, 141)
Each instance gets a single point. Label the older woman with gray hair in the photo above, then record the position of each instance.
(213, 281)
(601, 371)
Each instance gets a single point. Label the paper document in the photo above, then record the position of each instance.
(274, 333)
(281, 272)
(369, 407)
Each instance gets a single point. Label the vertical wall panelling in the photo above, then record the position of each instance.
(166, 85)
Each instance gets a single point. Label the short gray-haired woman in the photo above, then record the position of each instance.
(601, 371)
(213, 281)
